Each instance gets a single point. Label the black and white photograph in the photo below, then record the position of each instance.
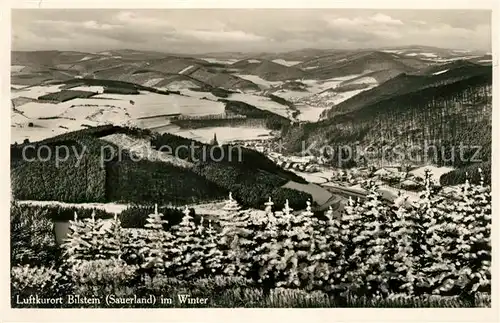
(250, 158)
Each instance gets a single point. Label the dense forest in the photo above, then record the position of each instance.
(428, 125)
(86, 175)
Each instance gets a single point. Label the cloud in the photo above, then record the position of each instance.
(377, 19)
(221, 36)
(385, 19)
(208, 30)
(92, 24)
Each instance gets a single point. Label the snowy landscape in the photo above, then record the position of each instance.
(251, 178)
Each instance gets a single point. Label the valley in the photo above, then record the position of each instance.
(273, 158)
(283, 97)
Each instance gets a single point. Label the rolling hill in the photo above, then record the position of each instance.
(356, 63)
(410, 111)
(407, 83)
(102, 175)
(268, 70)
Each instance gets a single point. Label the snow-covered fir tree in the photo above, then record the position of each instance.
(235, 237)
(329, 249)
(88, 240)
(294, 244)
(156, 253)
(431, 218)
(113, 239)
(403, 240)
(346, 229)
(75, 247)
(213, 257)
(189, 246)
(468, 233)
(272, 250)
(368, 260)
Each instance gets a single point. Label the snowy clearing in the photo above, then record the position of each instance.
(153, 81)
(285, 62)
(142, 148)
(309, 113)
(264, 84)
(428, 54)
(446, 60)
(292, 96)
(186, 69)
(197, 94)
(253, 61)
(225, 134)
(220, 60)
(16, 68)
(327, 99)
(106, 108)
(179, 85)
(440, 72)
(86, 58)
(261, 102)
(316, 86)
(152, 104)
(17, 86)
(95, 88)
(364, 80)
(317, 178)
(436, 172)
(393, 51)
(35, 91)
(484, 61)
(463, 51)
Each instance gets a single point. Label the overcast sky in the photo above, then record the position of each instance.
(210, 30)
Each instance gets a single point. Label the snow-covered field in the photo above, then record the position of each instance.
(316, 86)
(198, 94)
(17, 86)
(291, 95)
(142, 148)
(394, 51)
(447, 60)
(285, 62)
(220, 60)
(152, 104)
(317, 178)
(86, 58)
(436, 172)
(153, 81)
(309, 113)
(100, 109)
(185, 70)
(261, 102)
(440, 72)
(264, 84)
(95, 88)
(16, 68)
(328, 99)
(225, 134)
(429, 55)
(364, 80)
(35, 91)
(178, 85)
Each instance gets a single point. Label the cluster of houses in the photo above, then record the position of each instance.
(307, 164)
(392, 175)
